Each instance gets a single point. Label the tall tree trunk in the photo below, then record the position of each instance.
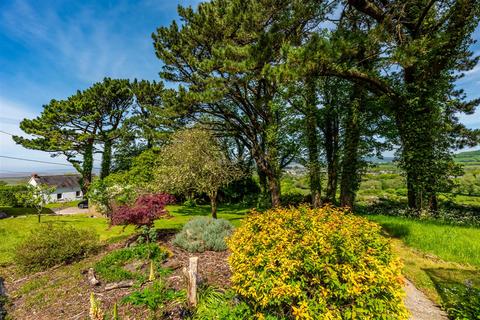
(106, 159)
(262, 177)
(350, 163)
(213, 204)
(312, 146)
(274, 188)
(87, 166)
(331, 136)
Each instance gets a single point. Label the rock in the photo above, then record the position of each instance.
(134, 266)
(117, 285)
(3, 215)
(172, 264)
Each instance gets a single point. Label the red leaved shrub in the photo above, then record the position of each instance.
(144, 211)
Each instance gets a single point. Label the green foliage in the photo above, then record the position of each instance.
(50, 244)
(449, 242)
(294, 199)
(194, 162)
(111, 267)
(219, 305)
(202, 233)
(190, 203)
(305, 263)
(9, 195)
(154, 297)
(124, 187)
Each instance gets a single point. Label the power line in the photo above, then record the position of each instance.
(40, 161)
(6, 133)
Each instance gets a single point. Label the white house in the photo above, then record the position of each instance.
(67, 187)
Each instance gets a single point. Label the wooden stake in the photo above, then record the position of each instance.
(192, 276)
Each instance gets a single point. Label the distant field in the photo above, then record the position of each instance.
(14, 180)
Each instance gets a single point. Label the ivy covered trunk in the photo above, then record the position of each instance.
(87, 166)
(350, 178)
(106, 159)
(331, 144)
(312, 146)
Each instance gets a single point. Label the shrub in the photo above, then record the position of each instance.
(154, 297)
(51, 244)
(110, 268)
(216, 304)
(294, 199)
(316, 263)
(201, 234)
(9, 195)
(145, 210)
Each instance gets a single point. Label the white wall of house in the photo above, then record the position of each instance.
(61, 194)
(64, 194)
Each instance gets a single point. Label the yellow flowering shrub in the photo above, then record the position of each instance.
(302, 263)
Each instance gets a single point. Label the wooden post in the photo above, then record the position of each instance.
(192, 275)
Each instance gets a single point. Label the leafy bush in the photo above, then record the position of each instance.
(316, 263)
(201, 234)
(111, 267)
(294, 199)
(145, 210)
(52, 244)
(245, 190)
(190, 203)
(462, 303)
(154, 297)
(215, 304)
(9, 195)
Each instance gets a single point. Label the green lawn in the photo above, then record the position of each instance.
(13, 230)
(448, 242)
(440, 259)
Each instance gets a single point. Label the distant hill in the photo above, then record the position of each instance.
(468, 156)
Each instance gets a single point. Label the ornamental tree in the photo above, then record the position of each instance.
(194, 162)
(146, 209)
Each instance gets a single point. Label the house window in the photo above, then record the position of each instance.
(59, 196)
(77, 194)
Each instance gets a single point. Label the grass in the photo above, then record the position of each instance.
(14, 230)
(61, 205)
(15, 212)
(448, 242)
(431, 275)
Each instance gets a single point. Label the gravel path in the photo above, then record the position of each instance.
(421, 308)
(71, 210)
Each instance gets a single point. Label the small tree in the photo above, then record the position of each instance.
(143, 212)
(36, 197)
(194, 162)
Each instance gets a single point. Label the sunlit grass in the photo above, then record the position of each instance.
(13, 230)
(448, 242)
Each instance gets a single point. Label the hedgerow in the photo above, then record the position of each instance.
(315, 264)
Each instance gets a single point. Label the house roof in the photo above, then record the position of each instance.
(59, 181)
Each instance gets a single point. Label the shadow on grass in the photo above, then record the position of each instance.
(396, 230)
(15, 212)
(204, 210)
(459, 291)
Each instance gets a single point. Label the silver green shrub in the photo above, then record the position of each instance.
(203, 234)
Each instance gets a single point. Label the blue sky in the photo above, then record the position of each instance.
(51, 48)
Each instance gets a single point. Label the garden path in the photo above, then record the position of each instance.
(421, 308)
